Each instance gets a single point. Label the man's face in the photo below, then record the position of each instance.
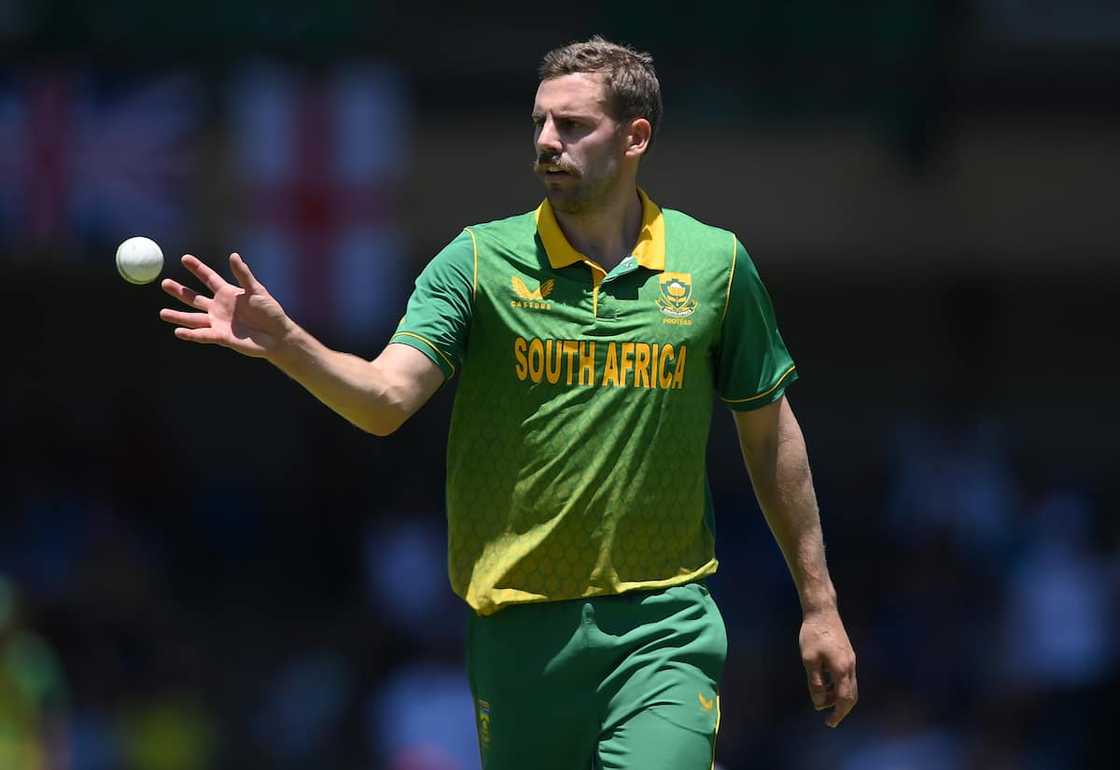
(579, 145)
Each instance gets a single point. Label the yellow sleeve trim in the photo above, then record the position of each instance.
(474, 244)
(764, 394)
(430, 344)
(730, 277)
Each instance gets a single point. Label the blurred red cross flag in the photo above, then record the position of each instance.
(319, 159)
(84, 155)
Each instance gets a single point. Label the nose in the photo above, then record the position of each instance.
(548, 141)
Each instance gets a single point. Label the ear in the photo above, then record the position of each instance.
(638, 135)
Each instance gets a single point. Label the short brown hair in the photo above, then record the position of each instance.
(632, 87)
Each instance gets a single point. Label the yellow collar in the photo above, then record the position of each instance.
(649, 250)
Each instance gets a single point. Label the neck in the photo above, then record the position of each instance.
(608, 234)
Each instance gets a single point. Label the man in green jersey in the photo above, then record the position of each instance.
(589, 335)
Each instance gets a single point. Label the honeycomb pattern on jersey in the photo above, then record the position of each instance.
(544, 533)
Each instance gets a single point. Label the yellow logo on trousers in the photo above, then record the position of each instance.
(484, 723)
(705, 703)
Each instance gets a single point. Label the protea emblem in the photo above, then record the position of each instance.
(675, 295)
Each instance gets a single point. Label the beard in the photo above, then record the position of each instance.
(581, 192)
(580, 198)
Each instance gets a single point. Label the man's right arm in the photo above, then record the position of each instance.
(376, 396)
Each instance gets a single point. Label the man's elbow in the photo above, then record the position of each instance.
(381, 429)
(385, 423)
(391, 413)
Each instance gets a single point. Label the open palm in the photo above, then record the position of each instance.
(245, 318)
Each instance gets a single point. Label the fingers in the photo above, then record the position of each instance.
(204, 273)
(242, 272)
(184, 294)
(189, 320)
(820, 690)
(202, 336)
(847, 694)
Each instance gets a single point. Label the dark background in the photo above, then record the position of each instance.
(202, 567)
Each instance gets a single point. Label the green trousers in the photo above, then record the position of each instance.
(626, 682)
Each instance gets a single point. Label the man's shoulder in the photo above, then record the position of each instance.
(680, 224)
(519, 229)
(695, 246)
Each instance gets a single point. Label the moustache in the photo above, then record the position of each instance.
(551, 163)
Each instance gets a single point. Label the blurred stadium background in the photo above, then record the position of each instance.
(202, 568)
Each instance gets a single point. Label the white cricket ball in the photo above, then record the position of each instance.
(139, 260)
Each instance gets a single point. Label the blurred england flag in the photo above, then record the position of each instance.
(85, 156)
(319, 158)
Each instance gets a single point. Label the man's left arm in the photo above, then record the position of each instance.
(776, 458)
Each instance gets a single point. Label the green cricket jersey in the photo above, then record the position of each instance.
(576, 457)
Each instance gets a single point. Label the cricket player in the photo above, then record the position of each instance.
(588, 336)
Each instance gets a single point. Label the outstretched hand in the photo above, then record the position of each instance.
(830, 664)
(245, 318)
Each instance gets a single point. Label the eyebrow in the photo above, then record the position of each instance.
(562, 114)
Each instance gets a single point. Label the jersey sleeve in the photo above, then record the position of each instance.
(437, 319)
(753, 366)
